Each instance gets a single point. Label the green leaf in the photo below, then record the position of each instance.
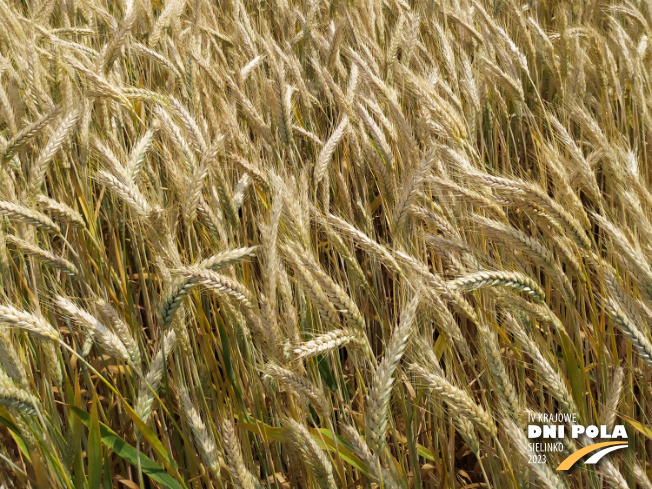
(94, 449)
(150, 468)
(326, 373)
(152, 439)
(107, 474)
(15, 434)
(79, 474)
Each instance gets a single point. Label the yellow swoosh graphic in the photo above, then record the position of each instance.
(574, 457)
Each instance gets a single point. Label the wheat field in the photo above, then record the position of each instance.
(322, 244)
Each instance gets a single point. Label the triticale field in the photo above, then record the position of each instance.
(324, 243)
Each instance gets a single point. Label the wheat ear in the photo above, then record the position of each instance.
(33, 218)
(150, 386)
(641, 476)
(51, 148)
(513, 280)
(86, 322)
(182, 286)
(240, 475)
(546, 477)
(323, 343)
(457, 399)
(551, 377)
(312, 456)
(60, 211)
(329, 148)
(381, 386)
(16, 398)
(379, 473)
(45, 256)
(334, 292)
(36, 325)
(122, 330)
(610, 407)
(299, 385)
(638, 338)
(126, 191)
(203, 437)
(10, 360)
